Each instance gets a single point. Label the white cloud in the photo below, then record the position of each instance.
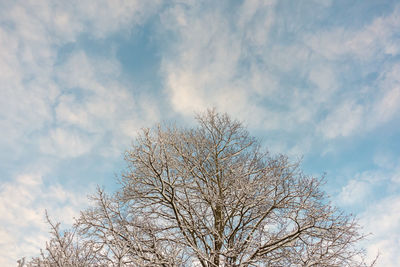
(26, 92)
(376, 193)
(22, 205)
(99, 105)
(349, 118)
(383, 221)
(255, 20)
(233, 65)
(29, 53)
(387, 104)
(63, 21)
(66, 143)
(205, 67)
(343, 120)
(325, 80)
(354, 192)
(362, 185)
(374, 39)
(42, 111)
(78, 70)
(385, 159)
(371, 106)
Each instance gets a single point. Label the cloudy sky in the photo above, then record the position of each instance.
(314, 79)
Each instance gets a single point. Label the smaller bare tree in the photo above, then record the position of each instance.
(64, 249)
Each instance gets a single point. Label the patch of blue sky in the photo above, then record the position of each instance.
(140, 56)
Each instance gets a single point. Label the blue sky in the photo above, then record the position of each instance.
(314, 79)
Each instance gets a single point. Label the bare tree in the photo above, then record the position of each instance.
(211, 196)
(63, 249)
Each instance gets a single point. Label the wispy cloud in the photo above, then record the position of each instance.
(375, 39)
(205, 68)
(235, 64)
(375, 193)
(22, 205)
(34, 84)
(383, 221)
(58, 105)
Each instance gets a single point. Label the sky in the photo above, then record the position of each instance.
(318, 80)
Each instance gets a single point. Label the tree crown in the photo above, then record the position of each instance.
(211, 196)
